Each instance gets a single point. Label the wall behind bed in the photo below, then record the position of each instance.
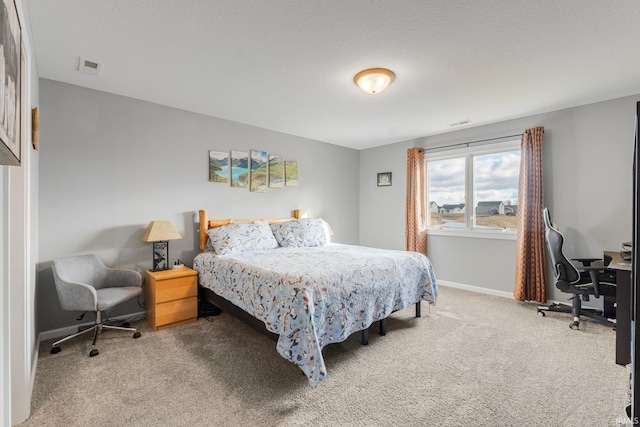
(110, 164)
(587, 156)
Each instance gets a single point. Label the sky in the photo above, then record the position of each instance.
(495, 178)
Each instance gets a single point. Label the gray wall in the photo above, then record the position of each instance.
(587, 182)
(110, 164)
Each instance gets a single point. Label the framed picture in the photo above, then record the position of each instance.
(258, 179)
(384, 179)
(291, 173)
(239, 169)
(276, 171)
(219, 166)
(10, 72)
(35, 127)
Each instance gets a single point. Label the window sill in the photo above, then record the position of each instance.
(498, 235)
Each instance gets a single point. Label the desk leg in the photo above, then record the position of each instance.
(623, 317)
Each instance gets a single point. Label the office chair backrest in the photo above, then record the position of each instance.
(563, 269)
(86, 269)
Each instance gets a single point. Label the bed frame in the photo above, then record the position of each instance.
(225, 305)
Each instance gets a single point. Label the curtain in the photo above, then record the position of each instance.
(415, 230)
(530, 283)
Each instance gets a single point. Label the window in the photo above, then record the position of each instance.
(487, 177)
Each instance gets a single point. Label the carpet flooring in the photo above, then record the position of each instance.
(472, 359)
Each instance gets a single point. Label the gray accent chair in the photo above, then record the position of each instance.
(85, 284)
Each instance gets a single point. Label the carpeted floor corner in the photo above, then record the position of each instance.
(473, 360)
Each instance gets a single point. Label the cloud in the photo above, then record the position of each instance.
(445, 179)
(496, 171)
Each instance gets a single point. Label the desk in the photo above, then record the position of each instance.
(623, 306)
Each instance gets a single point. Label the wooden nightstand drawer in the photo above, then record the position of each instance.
(182, 287)
(170, 313)
(171, 297)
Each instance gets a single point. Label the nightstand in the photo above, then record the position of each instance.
(171, 297)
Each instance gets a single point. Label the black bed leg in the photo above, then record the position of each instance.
(418, 314)
(383, 327)
(365, 337)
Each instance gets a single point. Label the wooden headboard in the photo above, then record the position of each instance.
(206, 224)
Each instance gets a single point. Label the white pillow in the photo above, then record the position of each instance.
(305, 232)
(242, 237)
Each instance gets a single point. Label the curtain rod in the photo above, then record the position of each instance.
(470, 142)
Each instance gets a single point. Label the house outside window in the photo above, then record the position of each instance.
(474, 191)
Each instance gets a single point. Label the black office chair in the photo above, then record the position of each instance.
(591, 280)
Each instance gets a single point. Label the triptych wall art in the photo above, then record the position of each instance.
(256, 170)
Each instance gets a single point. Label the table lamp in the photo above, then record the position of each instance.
(160, 232)
(328, 230)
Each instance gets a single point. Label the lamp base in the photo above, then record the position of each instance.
(160, 256)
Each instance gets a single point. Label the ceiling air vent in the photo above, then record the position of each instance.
(92, 68)
(462, 122)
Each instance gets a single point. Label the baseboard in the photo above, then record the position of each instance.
(503, 294)
(69, 330)
(476, 289)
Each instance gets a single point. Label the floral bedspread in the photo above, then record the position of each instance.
(314, 296)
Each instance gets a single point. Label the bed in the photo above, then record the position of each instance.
(305, 291)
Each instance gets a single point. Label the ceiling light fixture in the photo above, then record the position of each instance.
(374, 80)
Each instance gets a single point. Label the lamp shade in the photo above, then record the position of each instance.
(158, 231)
(329, 229)
(374, 80)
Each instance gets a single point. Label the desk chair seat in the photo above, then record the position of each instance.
(110, 297)
(589, 280)
(84, 283)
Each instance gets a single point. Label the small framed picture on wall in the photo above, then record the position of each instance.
(384, 179)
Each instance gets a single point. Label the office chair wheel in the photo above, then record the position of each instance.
(126, 324)
(542, 313)
(575, 325)
(136, 334)
(55, 350)
(94, 352)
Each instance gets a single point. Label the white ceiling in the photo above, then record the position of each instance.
(288, 65)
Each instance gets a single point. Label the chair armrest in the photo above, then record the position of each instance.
(593, 275)
(77, 297)
(119, 277)
(586, 261)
